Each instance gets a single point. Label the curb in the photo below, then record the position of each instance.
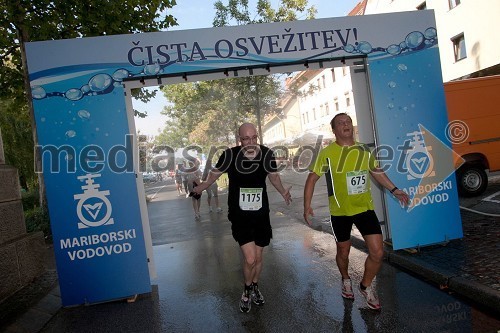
(474, 291)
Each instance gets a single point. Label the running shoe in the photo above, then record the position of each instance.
(219, 210)
(210, 209)
(246, 301)
(347, 289)
(371, 297)
(257, 297)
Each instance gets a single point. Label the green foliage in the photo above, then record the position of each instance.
(37, 219)
(209, 113)
(30, 199)
(15, 126)
(35, 20)
(236, 12)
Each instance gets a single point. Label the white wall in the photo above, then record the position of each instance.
(476, 19)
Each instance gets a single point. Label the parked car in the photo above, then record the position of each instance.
(148, 178)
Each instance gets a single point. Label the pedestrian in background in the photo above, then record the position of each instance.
(248, 166)
(178, 179)
(184, 175)
(193, 180)
(212, 190)
(348, 166)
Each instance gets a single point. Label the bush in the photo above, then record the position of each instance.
(37, 219)
(31, 199)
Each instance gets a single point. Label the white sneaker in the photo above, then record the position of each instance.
(210, 209)
(371, 297)
(219, 210)
(347, 289)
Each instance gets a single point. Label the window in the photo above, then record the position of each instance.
(453, 3)
(459, 47)
(323, 81)
(333, 75)
(347, 99)
(422, 6)
(314, 114)
(345, 70)
(327, 108)
(336, 102)
(319, 86)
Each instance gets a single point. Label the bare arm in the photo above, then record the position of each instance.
(212, 177)
(275, 179)
(312, 178)
(381, 178)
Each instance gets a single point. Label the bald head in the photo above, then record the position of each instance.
(248, 137)
(247, 128)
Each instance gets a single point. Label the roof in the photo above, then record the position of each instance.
(359, 9)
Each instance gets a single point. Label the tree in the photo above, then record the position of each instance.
(210, 112)
(34, 20)
(237, 11)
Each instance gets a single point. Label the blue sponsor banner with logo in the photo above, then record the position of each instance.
(92, 197)
(410, 121)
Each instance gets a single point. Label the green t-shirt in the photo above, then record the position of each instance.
(347, 171)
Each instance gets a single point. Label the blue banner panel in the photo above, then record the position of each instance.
(410, 121)
(92, 197)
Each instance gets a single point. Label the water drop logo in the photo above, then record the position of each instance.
(419, 161)
(93, 208)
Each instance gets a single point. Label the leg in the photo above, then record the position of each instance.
(193, 201)
(342, 258)
(198, 203)
(258, 263)
(374, 260)
(209, 199)
(249, 251)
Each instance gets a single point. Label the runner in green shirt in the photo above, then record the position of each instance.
(348, 165)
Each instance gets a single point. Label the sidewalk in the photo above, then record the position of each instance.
(469, 267)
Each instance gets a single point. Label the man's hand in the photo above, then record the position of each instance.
(402, 197)
(200, 188)
(308, 211)
(287, 196)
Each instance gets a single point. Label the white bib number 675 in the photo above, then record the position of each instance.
(357, 182)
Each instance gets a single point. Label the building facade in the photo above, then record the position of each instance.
(467, 33)
(467, 38)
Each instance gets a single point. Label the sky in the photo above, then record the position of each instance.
(196, 14)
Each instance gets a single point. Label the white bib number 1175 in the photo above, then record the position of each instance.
(250, 198)
(357, 182)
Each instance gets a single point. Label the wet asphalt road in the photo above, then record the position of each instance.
(199, 282)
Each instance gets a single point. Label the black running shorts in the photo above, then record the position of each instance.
(366, 222)
(248, 229)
